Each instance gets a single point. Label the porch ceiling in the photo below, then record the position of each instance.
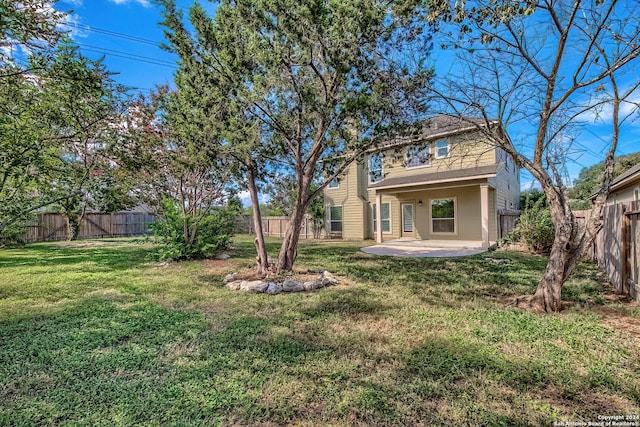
(458, 176)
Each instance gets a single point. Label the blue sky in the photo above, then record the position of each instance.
(128, 33)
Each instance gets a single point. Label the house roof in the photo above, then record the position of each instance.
(624, 178)
(438, 177)
(433, 128)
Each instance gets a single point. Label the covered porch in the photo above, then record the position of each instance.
(455, 209)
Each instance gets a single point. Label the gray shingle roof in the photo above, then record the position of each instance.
(630, 172)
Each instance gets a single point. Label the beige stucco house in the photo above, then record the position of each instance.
(446, 183)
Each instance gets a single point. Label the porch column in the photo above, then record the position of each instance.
(484, 214)
(378, 217)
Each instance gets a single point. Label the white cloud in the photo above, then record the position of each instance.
(144, 3)
(73, 2)
(72, 25)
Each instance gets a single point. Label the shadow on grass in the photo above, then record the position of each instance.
(121, 257)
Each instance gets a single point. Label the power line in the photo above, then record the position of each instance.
(132, 55)
(113, 34)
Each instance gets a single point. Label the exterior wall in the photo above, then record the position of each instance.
(468, 221)
(507, 182)
(623, 195)
(353, 207)
(466, 151)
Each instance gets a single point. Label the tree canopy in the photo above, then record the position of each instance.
(294, 83)
(545, 69)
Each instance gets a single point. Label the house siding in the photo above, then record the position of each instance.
(347, 196)
(506, 182)
(466, 151)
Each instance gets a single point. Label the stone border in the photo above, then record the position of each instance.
(273, 288)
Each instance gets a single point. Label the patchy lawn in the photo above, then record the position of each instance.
(97, 333)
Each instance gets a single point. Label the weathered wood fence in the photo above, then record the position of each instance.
(618, 247)
(275, 226)
(53, 226)
(507, 219)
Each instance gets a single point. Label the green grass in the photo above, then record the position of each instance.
(97, 333)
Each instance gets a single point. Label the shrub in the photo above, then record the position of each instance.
(183, 236)
(534, 229)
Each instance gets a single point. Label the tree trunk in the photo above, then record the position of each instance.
(73, 226)
(289, 248)
(565, 255)
(262, 259)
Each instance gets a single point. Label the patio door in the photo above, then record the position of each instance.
(407, 220)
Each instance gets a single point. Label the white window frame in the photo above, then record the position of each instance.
(371, 181)
(337, 181)
(331, 220)
(455, 217)
(636, 194)
(438, 156)
(375, 225)
(425, 146)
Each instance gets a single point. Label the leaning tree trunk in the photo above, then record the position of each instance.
(289, 248)
(565, 255)
(262, 259)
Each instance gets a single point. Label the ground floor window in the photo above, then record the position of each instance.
(335, 219)
(443, 215)
(386, 218)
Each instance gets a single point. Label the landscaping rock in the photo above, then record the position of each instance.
(327, 279)
(274, 288)
(235, 285)
(292, 286)
(222, 256)
(256, 286)
(314, 284)
(229, 278)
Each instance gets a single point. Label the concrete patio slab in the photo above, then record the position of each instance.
(426, 248)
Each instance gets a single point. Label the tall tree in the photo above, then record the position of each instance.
(316, 80)
(548, 67)
(27, 25)
(86, 104)
(54, 122)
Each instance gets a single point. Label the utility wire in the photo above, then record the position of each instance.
(127, 54)
(113, 33)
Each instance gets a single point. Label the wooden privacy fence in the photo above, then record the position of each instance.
(276, 226)
(507, 219)
(53, 226)
(618, 247)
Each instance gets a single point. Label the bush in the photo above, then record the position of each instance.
(534, 229)
(189, 237)
(13, 234)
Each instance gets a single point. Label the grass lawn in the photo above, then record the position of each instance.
(97, 333)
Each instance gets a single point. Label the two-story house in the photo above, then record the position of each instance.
(446, 183)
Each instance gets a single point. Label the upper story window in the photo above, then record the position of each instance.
(375, 167)
(419, 155)
(443, 149)
(334, 183)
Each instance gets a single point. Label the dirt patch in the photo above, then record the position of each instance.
(220, 264)
(590, 402)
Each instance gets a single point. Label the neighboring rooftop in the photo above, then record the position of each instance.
(621, 179)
